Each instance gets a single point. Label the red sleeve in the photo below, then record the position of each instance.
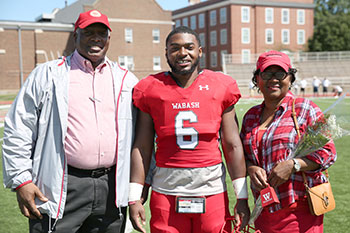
(232, 94)
(138, 97)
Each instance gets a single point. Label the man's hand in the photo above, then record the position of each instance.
(242, 213)
(137, 214)
(25, 198)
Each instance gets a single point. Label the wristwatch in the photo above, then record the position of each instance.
(296, 165)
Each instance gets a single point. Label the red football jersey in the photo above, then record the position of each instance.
(186, 120)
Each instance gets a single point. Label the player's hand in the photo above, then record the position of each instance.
(258, 177)
(25, 198)
(138, 216)
(242, 213)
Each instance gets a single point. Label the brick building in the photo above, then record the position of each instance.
(139, 29)
(247, 27)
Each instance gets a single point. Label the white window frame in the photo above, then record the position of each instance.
(300, 17)
(269, 15)
(300, 33)
(223, 15)
(212, 17)
(177, 23)
(223, 36)
(185, 22)
(245, 33)
(213, 59)
(245, 58)
(193, 22)
(222, 52)
(285, 16)
(202, 61)
(128, 35)
(283, 31)
(156, 63)
(213, 38)
(201, 20)
(202, 39)
(156, 35)
(245, 14)
(269, 31)
(126, 62)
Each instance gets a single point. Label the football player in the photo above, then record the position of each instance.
(189, 110)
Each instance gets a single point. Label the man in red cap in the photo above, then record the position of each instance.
(68, 136)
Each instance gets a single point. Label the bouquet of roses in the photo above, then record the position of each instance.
(334, 124)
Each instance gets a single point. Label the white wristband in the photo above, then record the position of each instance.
(135, 191)
(240, 187)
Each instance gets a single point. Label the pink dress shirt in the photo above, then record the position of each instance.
(91, 135)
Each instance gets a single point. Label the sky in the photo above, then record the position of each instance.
(29, 10)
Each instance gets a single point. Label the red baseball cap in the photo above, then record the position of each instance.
(93, 16)
(271, 58)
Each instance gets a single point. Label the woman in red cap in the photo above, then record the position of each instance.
(269, 135)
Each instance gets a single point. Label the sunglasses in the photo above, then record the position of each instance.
(280, 75)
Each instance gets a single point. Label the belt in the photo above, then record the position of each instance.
(95, 173)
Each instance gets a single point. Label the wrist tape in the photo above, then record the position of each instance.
(135, 191)
(240, 187)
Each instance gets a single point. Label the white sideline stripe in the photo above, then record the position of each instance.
(5, 106)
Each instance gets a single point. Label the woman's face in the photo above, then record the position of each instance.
(274, 86)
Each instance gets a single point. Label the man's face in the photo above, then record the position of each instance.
(183, 53)
(92, 42)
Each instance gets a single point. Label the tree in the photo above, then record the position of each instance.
(332, 26)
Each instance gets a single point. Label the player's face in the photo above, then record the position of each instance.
(183, 53)
(92, 42)
(274, 89)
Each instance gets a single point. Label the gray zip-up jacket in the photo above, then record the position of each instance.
(35, 130)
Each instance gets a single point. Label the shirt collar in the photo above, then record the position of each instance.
(85, 65)
(284, 103)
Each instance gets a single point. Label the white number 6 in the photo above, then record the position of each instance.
(181, 132)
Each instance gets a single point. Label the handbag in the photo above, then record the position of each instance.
(320, 197)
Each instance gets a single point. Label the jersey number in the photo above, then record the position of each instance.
(186, 138)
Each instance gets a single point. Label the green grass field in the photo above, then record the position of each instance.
(336, 221)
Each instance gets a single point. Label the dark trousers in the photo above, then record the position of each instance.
(90, 207)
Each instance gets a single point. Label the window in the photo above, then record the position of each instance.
(213, 18)
(213, 38)
(300, 17)
(285, 16)
(245, 35)
(185, 22)
(285, 36)
(245, 56)
(202, 62)
(223, 15)
(201, 21)
(156, 63)
(269, 36)
(223, 53)
(301, 36)
(128, 35)
(127, 62)
(245, 14)
(156, 35)
(223, 36)
(193, 22)
(202, 39)
(177, 23)
(269, 15)
(213, 59)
